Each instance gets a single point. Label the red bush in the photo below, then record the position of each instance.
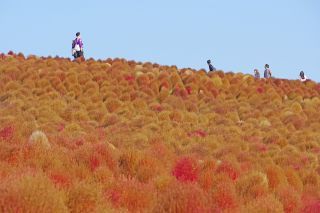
(290, 199)
(129, 78)
(230, 169)
(60, 179)
(94, 163)
(225, 197)
(260, 90)
(186, 170)
(189, 90)
(310, 204)
(6, 133)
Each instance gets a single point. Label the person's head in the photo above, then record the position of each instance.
(266, 66)
(256, 70)
(78, 34)
(209, 62)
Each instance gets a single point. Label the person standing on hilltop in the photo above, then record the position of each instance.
(77, 46)
(303, 77)
(267, 71)
(256, 74)
(211, 67)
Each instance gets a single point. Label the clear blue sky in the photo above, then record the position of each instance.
(237, 35)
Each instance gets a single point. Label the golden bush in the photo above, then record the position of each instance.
(252, 186)
(85, 197)
(31, 194)
(113, 104)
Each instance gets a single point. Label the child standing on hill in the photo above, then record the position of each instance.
(267, 71)
(77, 46)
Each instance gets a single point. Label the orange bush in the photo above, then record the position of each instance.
(130, 194)
(290, 199)
(224, 194)
(266, 203)
(31, 193)
(182, 197)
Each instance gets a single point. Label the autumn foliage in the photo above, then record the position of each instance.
(122, 136)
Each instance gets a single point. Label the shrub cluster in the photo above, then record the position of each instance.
(116, 135)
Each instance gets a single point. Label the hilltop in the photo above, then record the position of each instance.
(118, 135)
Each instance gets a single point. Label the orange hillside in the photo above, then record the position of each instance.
(122, 136)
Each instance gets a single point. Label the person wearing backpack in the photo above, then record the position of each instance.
(77, 46)
(267, 71)
(211, 67)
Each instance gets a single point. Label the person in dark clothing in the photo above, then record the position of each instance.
(77, 46)
(267, 71)
(303, 77)
(256, 74)
(211, 67)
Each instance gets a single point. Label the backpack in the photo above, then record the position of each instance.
(212, 68)
(74, 42)
(76, 45)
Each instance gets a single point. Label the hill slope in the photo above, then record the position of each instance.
(116, 135)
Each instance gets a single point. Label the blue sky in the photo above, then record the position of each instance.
(236, 35)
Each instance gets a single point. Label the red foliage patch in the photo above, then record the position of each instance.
(129, 78)
(198, 133)
(186, 169)
(7, 133)
(311, 205)
(156, 107)
(114, 196)
(189, 90)
(105, 155)
(229, 169)
(60, 180)
(180, 92)
(94, 163)
(214, 92)
(317, 87)
(260, 90)
(316, 150)
(79, 142)
(261, 147)
(224, 196)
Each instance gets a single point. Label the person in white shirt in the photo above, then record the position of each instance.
(303, 77)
